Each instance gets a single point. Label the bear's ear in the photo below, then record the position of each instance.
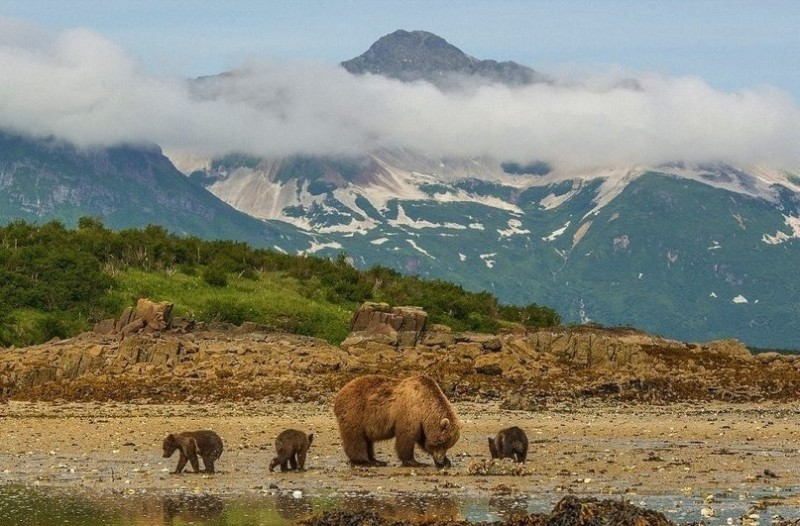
(444, 424)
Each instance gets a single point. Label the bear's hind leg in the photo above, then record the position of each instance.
(356, 447)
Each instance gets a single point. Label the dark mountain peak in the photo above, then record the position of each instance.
(420, 55)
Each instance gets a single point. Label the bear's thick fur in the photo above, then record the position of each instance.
(291, 447)
(413, 410)
(191, 444)
(511, 442)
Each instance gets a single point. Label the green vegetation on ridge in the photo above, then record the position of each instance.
(56, 282)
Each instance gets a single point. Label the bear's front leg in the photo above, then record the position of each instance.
(181, 463)
(371, 455)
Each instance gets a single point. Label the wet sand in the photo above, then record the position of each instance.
(709, 449)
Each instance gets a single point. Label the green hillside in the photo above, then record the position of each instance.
(56, 282)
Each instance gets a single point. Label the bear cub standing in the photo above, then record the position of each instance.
(206, 444)
(510, 442)
(412, 410)
(291, 446)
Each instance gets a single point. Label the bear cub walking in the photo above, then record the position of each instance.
(204, 443)
(510, 442)
(291, 446)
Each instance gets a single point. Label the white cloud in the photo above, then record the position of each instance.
(81, 87)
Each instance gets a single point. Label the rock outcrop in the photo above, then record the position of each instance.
(392, 326)
(147, 317)
(526, 370)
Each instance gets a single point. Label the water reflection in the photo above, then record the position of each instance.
(292, 507)
(45, 507)
(192, 508)
(507, 506)
(23, 506)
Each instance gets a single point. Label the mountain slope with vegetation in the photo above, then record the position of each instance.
(56, 282)
(126, 186)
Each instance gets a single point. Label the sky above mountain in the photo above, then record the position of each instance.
(636, 81)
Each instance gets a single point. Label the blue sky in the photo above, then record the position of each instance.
(731, 44)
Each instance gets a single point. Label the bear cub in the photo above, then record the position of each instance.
(191, 444)
(291, 447)
(510, 442)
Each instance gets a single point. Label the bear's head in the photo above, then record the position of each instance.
(439, 437)
(170, 445)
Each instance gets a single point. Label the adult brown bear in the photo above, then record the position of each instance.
(413, 410)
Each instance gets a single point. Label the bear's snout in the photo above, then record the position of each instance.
(441, 460)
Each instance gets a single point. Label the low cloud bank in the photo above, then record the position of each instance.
(81, 87)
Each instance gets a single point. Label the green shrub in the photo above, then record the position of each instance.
(215, 276)
(248, 273)
(188, 269)
(51, 326)
(230, 311)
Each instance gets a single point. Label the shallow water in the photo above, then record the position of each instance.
(45, 507)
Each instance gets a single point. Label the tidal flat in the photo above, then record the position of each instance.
(690, 461)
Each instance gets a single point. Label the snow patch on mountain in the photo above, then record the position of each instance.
(513, 229)
(462, 257)
(418, 248)
(488, 259)
(552, 200)
(461, 196)
(404, 220)
(781, 237)
(316, 247)
(556, 233)
(350, 228)
(740, 299)
(614, 182)
(379, 241)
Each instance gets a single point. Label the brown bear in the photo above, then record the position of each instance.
(206, 444)
(511, 442)
(413, 410)
(291, 446)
